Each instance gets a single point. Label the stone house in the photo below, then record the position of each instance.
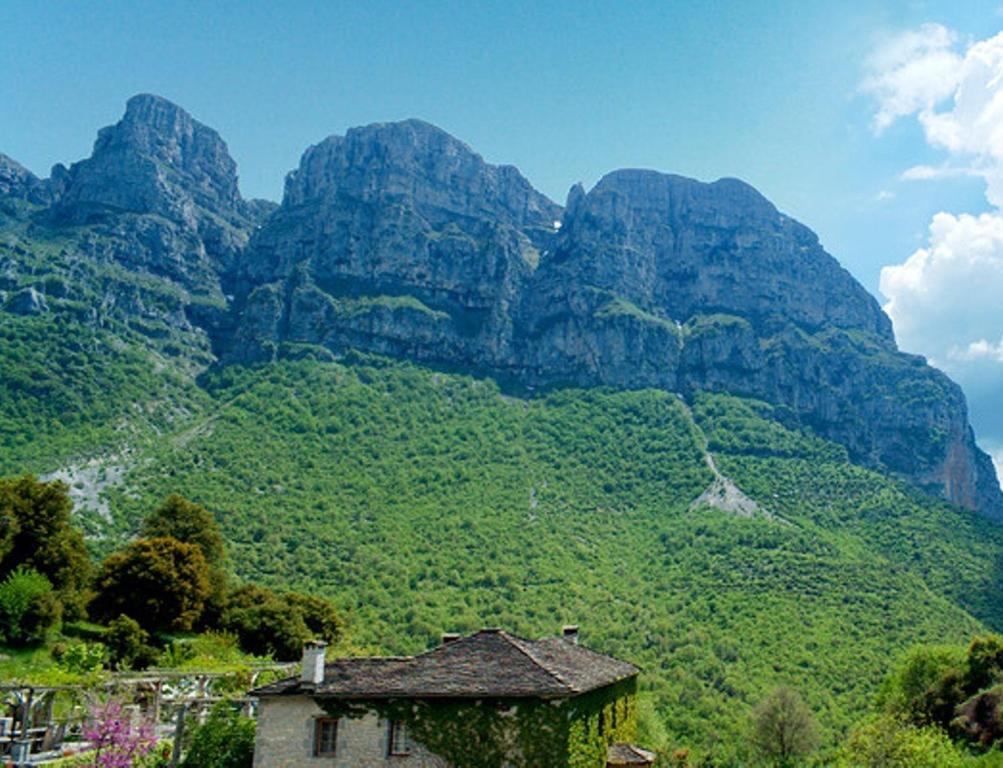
(488, 700)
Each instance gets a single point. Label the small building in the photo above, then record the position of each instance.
(488, 700)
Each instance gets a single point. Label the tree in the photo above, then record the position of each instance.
(9, 529)
(192, 523)
(889, 742)
(128, 644)
(28, 607)
(926, 686)
(319, 615)
(783, 729)
(224, 740)
(162, 583)
(985, 663)
(265, 624)
(35, 517)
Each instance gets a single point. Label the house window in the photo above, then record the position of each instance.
(399, 744)
(325, 737)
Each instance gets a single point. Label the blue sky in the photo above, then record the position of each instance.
(765, 91)
(769, 92)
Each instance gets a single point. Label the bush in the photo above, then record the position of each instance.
(783, 729)
(128, 644)
(264, 624)
(81, 658)
(269, 624)
(888, 742)
(224, 740)
(162, 583)
(40, 536)
(28, 607)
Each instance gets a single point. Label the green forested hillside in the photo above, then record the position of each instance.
(425, 502)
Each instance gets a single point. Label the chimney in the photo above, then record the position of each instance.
(313, 662)
(450, 637)
(570, 633)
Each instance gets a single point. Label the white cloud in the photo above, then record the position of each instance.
(982, 349)
(912, 72)
(949, 295)
(946, 299)
(929, 172)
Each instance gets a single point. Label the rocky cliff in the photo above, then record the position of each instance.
(163, 187)
(399, 239)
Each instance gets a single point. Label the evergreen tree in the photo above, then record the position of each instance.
(162, 583)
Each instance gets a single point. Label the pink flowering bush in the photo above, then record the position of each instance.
(118, 742)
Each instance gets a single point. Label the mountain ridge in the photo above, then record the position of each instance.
(399, 239)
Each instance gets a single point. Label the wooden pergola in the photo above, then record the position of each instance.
(34, 735)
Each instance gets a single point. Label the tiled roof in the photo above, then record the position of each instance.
(627, 755)
(490, 663)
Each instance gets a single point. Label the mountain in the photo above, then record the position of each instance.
(400, 240)
(419, 386)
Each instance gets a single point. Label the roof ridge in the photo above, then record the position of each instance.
(517, 643)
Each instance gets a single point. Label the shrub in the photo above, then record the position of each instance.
(128, 644)
(783, 730)
(43, 537)
(28, 607)
(162, 583)
(264, 624)
(224, 740)
(81, 658)
(888, 742)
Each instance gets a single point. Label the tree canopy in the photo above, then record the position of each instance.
(36, 532)
(188, 522)
(783, 729)
(161, 582)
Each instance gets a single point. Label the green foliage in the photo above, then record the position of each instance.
(163, 583)
(319, 615)
(224, 740)
(190, 523)
(83, 658)
(920, 688)
(783, 731)
(423, 502)
(886, 742)
(207, 651)
(129, 644)
(959, 690)
(45, 540)
(511, 733)
(28, 608)
(269, 624)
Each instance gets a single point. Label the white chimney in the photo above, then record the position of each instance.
(313, 662)
(570, 633)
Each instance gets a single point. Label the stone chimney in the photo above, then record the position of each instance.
(313, 662)
(570, 633)
(450, 637)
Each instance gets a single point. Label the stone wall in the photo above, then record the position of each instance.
(286, 732)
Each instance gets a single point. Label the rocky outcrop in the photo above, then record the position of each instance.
(398, 239)
(164, 187)
(15, 179)
(27, 302)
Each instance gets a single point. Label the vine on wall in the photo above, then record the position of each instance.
(516, 733)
